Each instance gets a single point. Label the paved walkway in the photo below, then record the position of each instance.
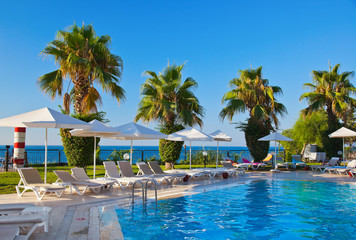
(77, 217)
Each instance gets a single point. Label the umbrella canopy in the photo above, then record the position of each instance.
(343, 133)
(275, 137)
(133, 131)
(219, 136)
(98, 129)
(43, 118)
(189, 134)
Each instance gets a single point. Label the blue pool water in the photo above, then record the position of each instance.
(268, 209)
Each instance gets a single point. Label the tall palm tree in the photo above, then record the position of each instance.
(331, 91)
(251, 93)
(170, 101)
(84, 59)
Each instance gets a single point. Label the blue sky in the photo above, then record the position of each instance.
(214, 38)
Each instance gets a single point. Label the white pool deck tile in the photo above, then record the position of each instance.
(77, 217)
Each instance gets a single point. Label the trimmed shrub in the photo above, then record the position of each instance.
(79, 151)
(169, 151)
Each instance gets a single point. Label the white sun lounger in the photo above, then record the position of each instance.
(13, 208)
(228, 165)
(158, 170)
(333, 162)
(281, 163)
(145, 170)
(112, 172)
(31, 180)
(352, 172)
(350, 166)
(32, 220)
(238, 165)
(81, 175)
(9, 232)
(185, 175)
(216, 172)
(65, 179)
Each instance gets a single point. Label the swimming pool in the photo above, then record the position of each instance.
(268, 209)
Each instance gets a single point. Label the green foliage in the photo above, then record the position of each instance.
(154, 159)
(306, 130)
(97, 155)
(254, 130)
(236, 157)
(331, 145)
(169, 100)
(312, 129)
(250, 92)
(79, 150)
(83, 58)
(198, 158)
(118, 155)
(332, 92)
(169, 151)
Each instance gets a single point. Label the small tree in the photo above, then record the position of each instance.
(332, 92)
(310, 129)
(170, 101)
(250, 92)
(79, 150)
(255, 130)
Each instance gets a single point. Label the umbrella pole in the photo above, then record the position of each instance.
(275, 155)
(131, 153)
(217, 154)
(343, 151)
(94, 156)
(45, 177)
(190, 155)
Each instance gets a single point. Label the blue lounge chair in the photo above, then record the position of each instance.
(297, 161)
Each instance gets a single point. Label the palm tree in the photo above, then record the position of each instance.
(251, 93)
(171, 102)
(84, 58)
(330, 91)
(168, 100)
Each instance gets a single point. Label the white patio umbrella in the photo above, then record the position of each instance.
(219, 136)
(43, 118)
(275, 137)
(133, 131)
(343, 133)
(190, 134)
(98, 129)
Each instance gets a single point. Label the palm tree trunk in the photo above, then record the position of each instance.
(81, 88)
(332, 119)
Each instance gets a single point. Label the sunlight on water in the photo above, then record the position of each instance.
(258, 210)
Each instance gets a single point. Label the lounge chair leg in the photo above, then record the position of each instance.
(79, 192)
(96, 190)
(59, 193)
(124, 187)
(34, 227)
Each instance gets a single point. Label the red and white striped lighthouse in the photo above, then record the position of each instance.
(19, 147)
